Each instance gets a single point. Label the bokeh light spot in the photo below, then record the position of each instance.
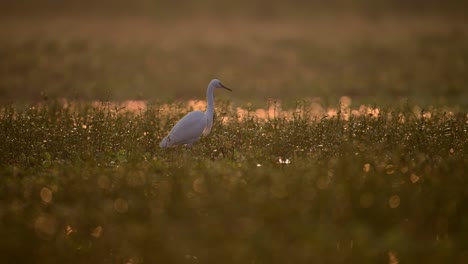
(390, 169)
(69, 230)
(404, 169)
(394, 201)
(392, 258)
(414, 178)
(97, 232)
(366, 168)
(132, 260)
(121, 205)
(46, 195)
(45, 226)
(199, 185)
(345, 101)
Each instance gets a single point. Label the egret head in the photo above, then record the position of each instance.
(217, 84)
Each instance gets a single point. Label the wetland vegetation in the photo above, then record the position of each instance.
(345, 139)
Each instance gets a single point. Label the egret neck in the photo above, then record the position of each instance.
(210, 107)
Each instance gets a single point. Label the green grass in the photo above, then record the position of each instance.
(89, 183)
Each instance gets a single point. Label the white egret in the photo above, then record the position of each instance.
(195, 124)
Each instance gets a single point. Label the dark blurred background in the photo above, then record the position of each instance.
(372, 51)
(255, 9)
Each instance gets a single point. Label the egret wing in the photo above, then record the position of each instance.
(189, 129)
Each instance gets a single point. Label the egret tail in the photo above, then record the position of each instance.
(165, 143)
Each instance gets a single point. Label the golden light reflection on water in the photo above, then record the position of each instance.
(345, 101)
(196, 105)
(312, 108)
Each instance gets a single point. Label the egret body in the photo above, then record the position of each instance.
(195, 124)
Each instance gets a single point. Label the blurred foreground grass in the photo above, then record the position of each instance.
(88, 183)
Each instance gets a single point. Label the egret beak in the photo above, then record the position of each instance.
(225, 87)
